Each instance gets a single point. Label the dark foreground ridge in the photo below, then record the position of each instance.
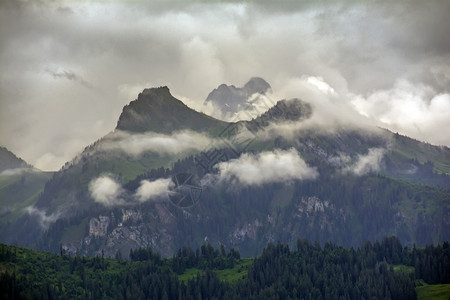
(385, 270)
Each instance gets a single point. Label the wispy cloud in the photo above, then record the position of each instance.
(69, 75)
(366, 163)
(44, 219)
(16, 171)
(137, 143)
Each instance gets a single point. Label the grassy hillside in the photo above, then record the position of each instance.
(433, 291)
(439, 156)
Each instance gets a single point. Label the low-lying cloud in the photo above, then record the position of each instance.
(266, 167)
(69, 75)
(150, 190)
(44, 219)
(106, 191)
(109, 192)
(15, 171)
(175, 143)
(414, 110)
(366, 163)
(331, 111)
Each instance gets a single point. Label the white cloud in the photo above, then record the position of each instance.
(331, 111)
(150, 190)
(49, 161)
(367, 162)
(16, 171)
(320, 84)
(105, 190)
(266, 167)
(413, 110)
(137, 143)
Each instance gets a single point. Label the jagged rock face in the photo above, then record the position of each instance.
(98, 227)
(157, 110)
(231, 99)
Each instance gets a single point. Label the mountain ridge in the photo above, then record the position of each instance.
(245, 217)
(9, 160)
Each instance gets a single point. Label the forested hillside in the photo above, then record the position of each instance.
(380, 270)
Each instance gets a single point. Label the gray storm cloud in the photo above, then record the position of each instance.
(106, 191)
(153, 190)
(137, 143)
(361, 50)
(266, 167)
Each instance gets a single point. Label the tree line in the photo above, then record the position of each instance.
(311, 271)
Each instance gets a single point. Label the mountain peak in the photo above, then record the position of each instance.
(285, 110)
(162, 90)
(257, 85)
(157, 110)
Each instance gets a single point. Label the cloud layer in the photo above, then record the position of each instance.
(136, 144)
(266, 167)
(68, 67)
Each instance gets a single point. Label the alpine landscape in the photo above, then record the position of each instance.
(275, 155)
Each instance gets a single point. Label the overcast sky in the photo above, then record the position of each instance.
(68, 67)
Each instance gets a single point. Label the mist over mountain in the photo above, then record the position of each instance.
(168, 176)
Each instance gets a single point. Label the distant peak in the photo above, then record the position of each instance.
(285, 110)
(230, 98)
(257, 85)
